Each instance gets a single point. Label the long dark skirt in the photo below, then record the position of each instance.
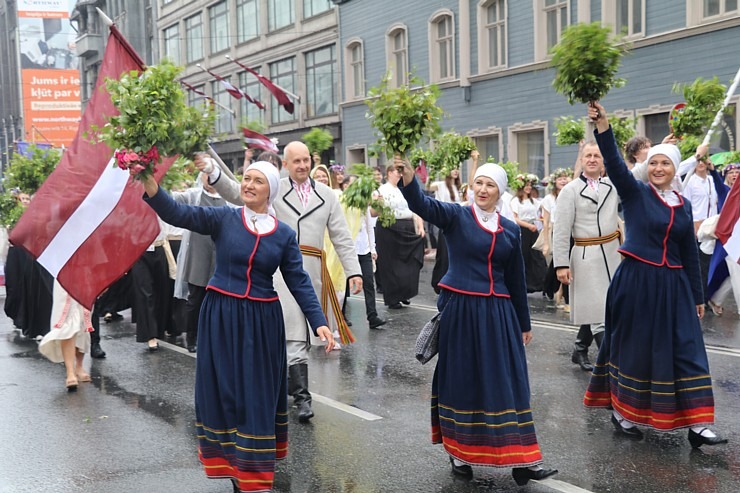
(652, 365)
(241, 396)
(28, 293)
(480, 391)
(400, 258)
(441, 262)
(535, 266)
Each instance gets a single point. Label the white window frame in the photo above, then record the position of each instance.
(398, 77)
(217, 43)
(271, 11)
(249, 83)
(609, 15)
(171, 43)
(349, 69)
(356, 147)
(224, 123)
(278, 114)
(434, 46)
(243, 20)
(513, 136)
(695, 13)
(486, 133)
(309, 12)
(312, 72)
(484, 33)
(191, 41)
(540, 26)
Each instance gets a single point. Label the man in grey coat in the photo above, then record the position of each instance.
(311, 209)
(587, 212)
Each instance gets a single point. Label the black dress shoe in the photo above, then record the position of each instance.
(305, 412)
(377, 322)
(349, 322)
(522, 475)
(464, 470)
(96, 351)
(406, 302)
(395, 306)
(581, 359)
(192, 349)
(631, 432)
(697, 439)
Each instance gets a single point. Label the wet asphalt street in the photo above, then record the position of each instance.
(131, 429)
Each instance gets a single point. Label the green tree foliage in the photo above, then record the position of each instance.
(403, 117)
(586, 62)
(360, 194)
(449, 151)
(317, 140)
(703, 99)
(569, 131)
(623, 128)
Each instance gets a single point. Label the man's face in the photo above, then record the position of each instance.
(592, 161)
(297, 161)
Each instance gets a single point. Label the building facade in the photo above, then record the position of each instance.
(490, 58)
(291, 42)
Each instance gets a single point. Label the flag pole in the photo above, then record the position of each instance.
(106, 20)
(717, 119)
(233, 113)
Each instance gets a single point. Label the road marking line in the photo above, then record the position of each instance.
(327, 401)
(562, 486)
(355, 411)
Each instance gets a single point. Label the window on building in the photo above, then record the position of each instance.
(442, 49)
(492, 35)
(489, 147)
(556, 20)
(194, 38)
(224, 119)
(398, 56)
(529, 146)
(172, 43)
(249, 84)
(321, 81)
(313, 7)
(656, 126)
(283, 74)
(629, 17)
(279, 14)
(219, 23)
(714, 8)
(247, 20)
(196, 100)
(355, 70)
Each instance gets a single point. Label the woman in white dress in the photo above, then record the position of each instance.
(69, 338)
(525, 207)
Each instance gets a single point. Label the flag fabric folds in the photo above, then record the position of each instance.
(256, 140)
(87, 224)
(728, 228)
(280, 95)
(235, 91)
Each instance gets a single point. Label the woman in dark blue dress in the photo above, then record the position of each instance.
(241, 374)
(480, 390)
(652, 367)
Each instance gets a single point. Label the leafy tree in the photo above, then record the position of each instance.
(317, 140)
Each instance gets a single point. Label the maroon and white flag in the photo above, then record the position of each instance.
(87, 224)
(256, 140)
(728, 226)
(279, 93)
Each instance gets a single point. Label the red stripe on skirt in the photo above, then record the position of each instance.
(510, 455)
(251, 481)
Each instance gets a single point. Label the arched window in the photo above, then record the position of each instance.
(355, 69)
(397, 53)
(492, 35)
(442, 46)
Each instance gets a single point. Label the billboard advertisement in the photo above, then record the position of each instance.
(50, 75)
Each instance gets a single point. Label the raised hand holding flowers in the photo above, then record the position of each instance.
(154, 120)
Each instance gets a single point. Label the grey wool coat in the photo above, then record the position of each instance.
(322, 214)
(584, 213)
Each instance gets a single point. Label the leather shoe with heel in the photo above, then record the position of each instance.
(522, 475)
(96, 351)
(697, 439)
(463, 470)
(631, 432)
(581, 359)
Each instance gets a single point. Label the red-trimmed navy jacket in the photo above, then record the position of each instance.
(481, 263)
(657, 234)
(245, 261)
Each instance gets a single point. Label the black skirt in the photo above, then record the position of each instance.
(400, 259)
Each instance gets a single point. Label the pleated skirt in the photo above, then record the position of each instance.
(241, 390)
(480, 391)
(652, 366)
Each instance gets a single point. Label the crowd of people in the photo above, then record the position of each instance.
(256, 271)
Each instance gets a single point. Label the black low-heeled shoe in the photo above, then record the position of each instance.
(697, 439)
(464, 470)
(522, 475)
(631, 432)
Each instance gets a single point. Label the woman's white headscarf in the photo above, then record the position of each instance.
(671, 152)
(272, 175)
(498, 175)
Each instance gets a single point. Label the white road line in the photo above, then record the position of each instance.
(562, 486)
(327, 401)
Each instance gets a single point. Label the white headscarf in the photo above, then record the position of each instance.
(272, 175)
(498, 175)
(669, 150)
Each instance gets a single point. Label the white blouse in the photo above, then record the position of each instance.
(393, 198)
(527, 210)
(489, 220)
(259, 223)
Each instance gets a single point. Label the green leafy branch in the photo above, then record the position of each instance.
(569, 131)
(360, 194)
(449, 151)
(317, 140)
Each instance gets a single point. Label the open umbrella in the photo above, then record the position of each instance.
(722, 158)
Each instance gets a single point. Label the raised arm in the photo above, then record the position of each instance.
(429, 209)
(227, 188)
(616, 168)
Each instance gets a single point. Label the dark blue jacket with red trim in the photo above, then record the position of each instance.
(657, 234)
(245, 261)
(481, 263)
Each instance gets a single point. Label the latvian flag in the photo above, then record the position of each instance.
(87, 224)
(256, 140)
(728, 227)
